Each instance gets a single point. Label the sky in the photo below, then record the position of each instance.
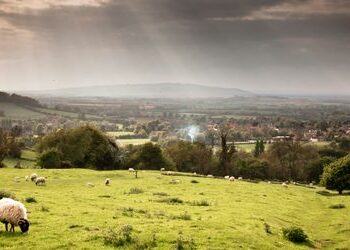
(264, 46)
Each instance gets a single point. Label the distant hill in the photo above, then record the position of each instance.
(18, 99)
(158, 90)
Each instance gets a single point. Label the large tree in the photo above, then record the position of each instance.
(82, 147)
(336, 176)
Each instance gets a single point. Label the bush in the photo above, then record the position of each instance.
(119, 238)
(182, 243)
(337, 206)
(194, 181)
(30, 200)
(50, 158)
(295, 234)
(336, 176)
(135, 191)
(200, 203)
(6, 194)
(174, 200)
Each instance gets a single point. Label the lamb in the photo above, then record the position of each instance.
(131, 170)
(14, 213)
(227, 177)
(240, 178)
(210, 176)
(162, 169)
(33, 177)
(232, 178)
(107, 181)
(284, 184)
(40, 181)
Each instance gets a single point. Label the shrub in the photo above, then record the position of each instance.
(120, 238)
(184, 216)
(174, 200)
(337, 206)
(160, 194)
(30, 200)
(50, 158)
(6, 194)
(200, 203)
(182, 243)
(295, 234)
(194, 181)
(336, 176)
(135, 191)
(267, 228)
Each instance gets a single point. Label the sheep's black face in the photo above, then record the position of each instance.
(24, 225)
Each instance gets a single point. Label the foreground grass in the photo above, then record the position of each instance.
(212, 214)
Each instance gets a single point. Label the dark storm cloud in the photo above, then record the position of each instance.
(257, 44)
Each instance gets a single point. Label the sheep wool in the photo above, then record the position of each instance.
(33, 177)
(40, 181)
(14, 213)
(107, 181)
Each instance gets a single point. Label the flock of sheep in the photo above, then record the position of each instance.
(14, 212)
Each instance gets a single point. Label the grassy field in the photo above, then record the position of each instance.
(65, 113)
(124, 142)
(28, 159)
(210, 214)
(13, 111)
(119, 133)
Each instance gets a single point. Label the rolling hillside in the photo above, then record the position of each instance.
(158, 90)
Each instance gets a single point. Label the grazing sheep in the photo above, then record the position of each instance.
(269, 182)
(14, 213)
(194, 173)
(131, 170)
(227, 177)
(40, 181)
(232, 178)
(169, 173)
(26, 177)
(107, 181)
(33, 177)
(162, 169)
(284, 184)
(89, 184)
(210, 176)
(240, 178)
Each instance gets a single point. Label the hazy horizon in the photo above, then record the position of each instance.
(289, 47)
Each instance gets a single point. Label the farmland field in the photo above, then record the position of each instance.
(13, 111)
(119, 133)
(125, 142)
(209, 214)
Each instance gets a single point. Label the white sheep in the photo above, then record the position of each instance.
(269, 182)
(232, 178)
(240, 178)
(107, 181)
(227, 177)
(131, 170)
(33, 177)
(89, 184)
(14, 213)
(284, 185)
(162, 169)
(40, 181)
(210, 176)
